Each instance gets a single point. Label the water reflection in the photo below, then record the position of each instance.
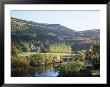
(48, 74)
(50, 70)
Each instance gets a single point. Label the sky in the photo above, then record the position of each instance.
(76, 20)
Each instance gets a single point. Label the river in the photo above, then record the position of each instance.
(49, 70)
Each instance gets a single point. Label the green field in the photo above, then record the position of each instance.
(31, 53)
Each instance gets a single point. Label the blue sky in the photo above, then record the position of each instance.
(76, 20)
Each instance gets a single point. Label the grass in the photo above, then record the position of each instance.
(31, 53)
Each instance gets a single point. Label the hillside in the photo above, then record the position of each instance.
(34, 32)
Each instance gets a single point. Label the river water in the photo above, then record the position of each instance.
(50, 70)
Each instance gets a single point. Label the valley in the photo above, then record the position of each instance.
(52, 47)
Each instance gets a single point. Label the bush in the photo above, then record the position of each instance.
(41, 59)
(71, 68)
(37, 59)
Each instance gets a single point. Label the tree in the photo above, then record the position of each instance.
(60, 48)
(93, 55)
(80, 56)
(14, 50)
(25, 47)
(47, 43)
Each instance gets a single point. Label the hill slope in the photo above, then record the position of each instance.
(32, 32)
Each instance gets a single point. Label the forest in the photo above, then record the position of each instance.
(53, 50)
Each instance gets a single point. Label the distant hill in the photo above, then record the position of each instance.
(28, 31)
(34, 27)
(91, 33)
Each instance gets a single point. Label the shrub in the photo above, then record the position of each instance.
(41, 59)
(37, 59)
